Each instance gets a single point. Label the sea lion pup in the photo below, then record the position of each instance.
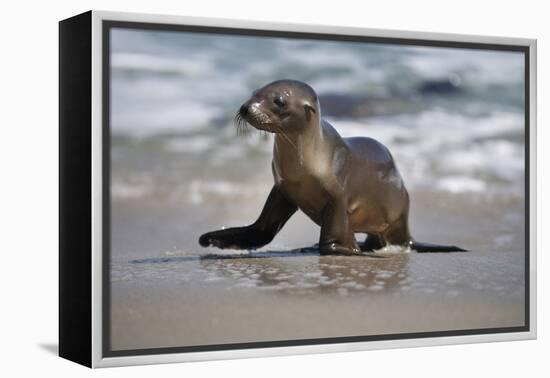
(345, 185)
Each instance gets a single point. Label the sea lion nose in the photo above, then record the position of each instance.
(243, 110)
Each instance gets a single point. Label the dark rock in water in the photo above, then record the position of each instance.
(382, 106)
(449, 86)
(343, 105)
(338, 105)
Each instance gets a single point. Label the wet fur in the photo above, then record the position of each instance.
(309, 179)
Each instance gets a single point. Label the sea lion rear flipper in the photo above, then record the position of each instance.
(398, 234)
(372, 243)
(429, 247)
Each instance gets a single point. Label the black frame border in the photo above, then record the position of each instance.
(75, 189)
(108, 25)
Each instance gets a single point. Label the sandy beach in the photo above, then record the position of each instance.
(178, 298)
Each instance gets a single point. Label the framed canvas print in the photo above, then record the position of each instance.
(233, 189)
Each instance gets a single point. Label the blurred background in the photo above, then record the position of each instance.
(452, 118)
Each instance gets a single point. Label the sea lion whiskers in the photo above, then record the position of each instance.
(243, 128)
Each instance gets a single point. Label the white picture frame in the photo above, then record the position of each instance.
(83, 339)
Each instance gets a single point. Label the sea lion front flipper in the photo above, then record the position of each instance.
(277, 210)
(336, 236)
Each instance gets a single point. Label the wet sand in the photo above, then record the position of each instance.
(166, 293)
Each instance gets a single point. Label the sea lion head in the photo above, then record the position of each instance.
(283, 106)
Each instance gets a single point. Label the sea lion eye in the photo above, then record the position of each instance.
(279, 101)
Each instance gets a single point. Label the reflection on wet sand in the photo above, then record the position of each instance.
(319, 274)
(298, 271)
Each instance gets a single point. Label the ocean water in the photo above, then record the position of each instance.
(453, 118)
